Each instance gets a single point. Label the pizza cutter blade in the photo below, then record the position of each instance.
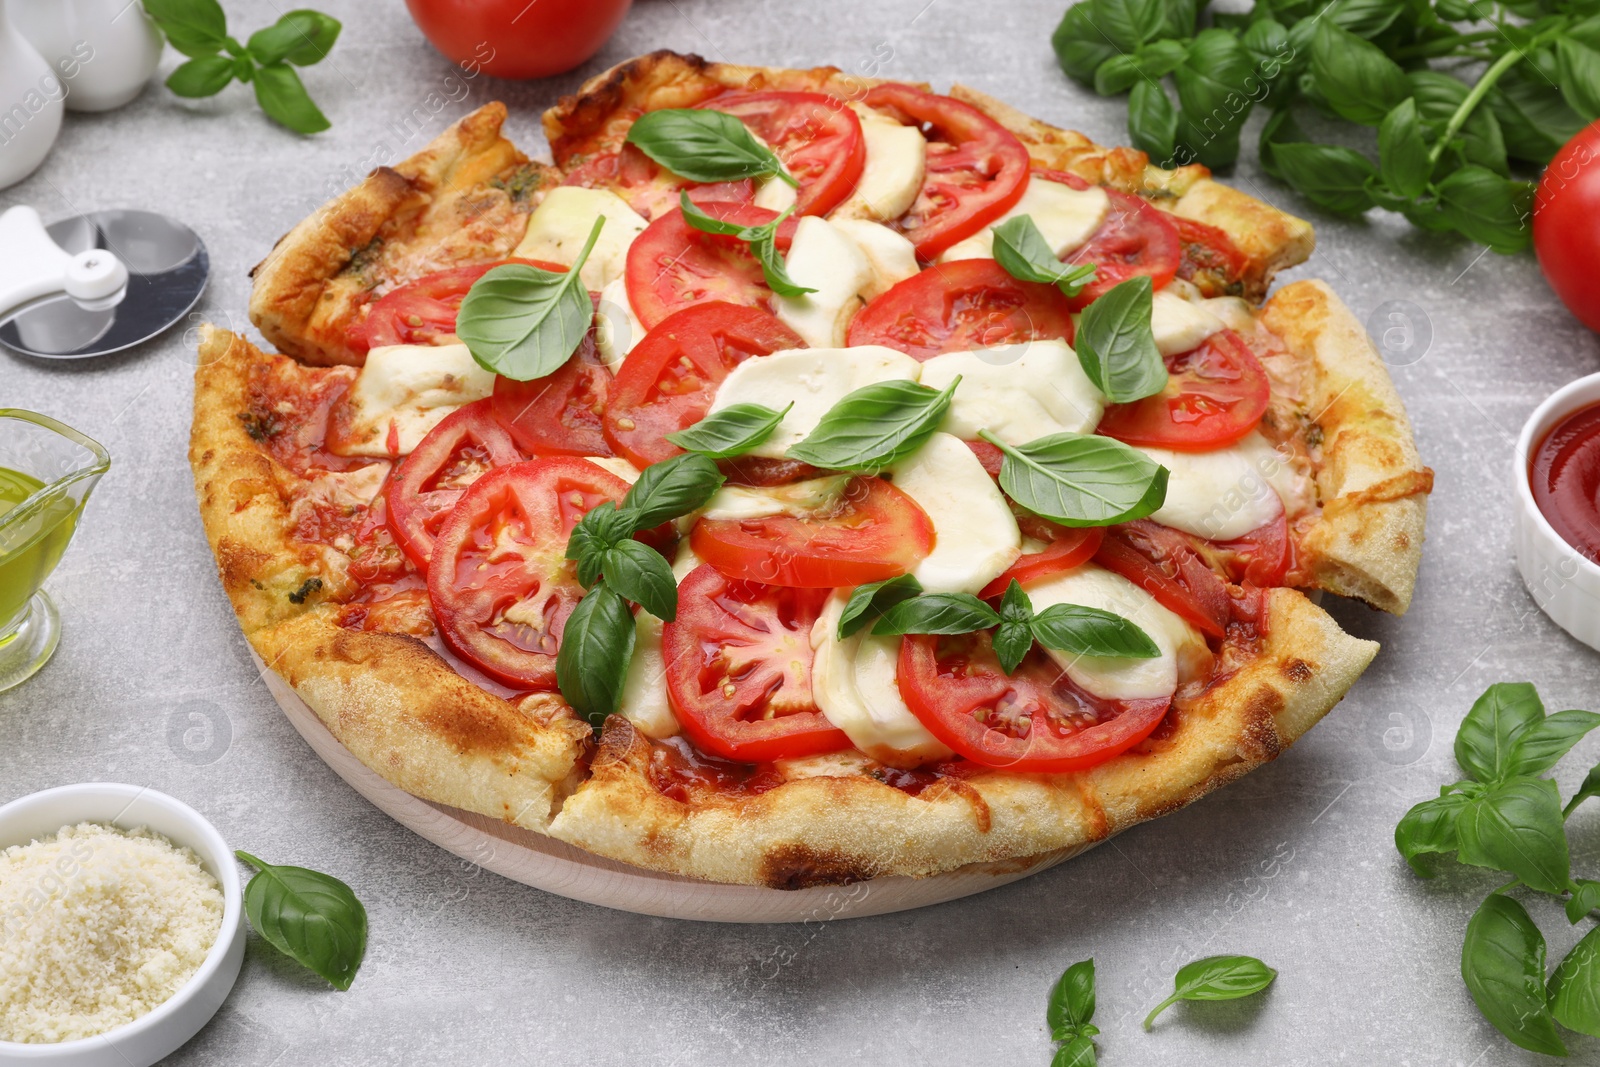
(96, 283)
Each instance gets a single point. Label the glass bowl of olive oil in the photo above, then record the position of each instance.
(47, 470)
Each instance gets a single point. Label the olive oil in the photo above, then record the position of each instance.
(31, 542)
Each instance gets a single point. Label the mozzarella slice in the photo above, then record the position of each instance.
(975, 534)
(1066, 218)
(1017, 392)
(617, 328)
(895, 166)
(409, 388)
(892, 257)
(1180, 325)
(644, 690)
(824, 259)
(814, 378)
(800, 499)
(775, 194)
(854, 684)
(616, 465)
(1222, 494)
(560, 225)
(1183, 651)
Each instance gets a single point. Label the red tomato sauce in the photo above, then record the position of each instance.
(1565, 476)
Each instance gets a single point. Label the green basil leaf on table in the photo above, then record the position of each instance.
(937, 613)
(283, 97)
(203, 76)
(1539, 746)
(1516, 827)
(1356, 78)
(1078, 1051)
(1216, 978)
(1502, 963)
(596, 646)
(1086, 631)
(194, 27)
(868, 602)
(1071, 1000)
(1489, 209)
(1585, 899)
(704, 146)
(1479, 140)
(309, 916)
(524, 322)
(1429, 827)
(1574, 988)
(1484, 741)
(1279, 129)
(1021, 250)
(1580, 75)
(670, 489)
(1079, 46)
(1403, 151)
(1160, 58)
(1117, 75)
(641, 574)
(301, 37)
(1589, 788)
(1152, 121)
(1364, 18)
(1117, 346)
(1214, 96)
(730, 431)
(1128, 23)
(1331, 176)
(1534, 118)
(1081, 479)
(875, 426)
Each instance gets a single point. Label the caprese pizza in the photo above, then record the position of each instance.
(803, 479)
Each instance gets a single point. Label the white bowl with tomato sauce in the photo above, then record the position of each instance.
(1558, 519)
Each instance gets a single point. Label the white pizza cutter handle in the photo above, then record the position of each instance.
(33, 266)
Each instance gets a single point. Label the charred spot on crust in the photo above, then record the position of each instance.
(1258, 740)
(798, 866)
(1298, 671)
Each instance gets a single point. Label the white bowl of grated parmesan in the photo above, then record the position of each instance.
(121, 926)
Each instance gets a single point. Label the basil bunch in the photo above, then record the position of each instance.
(1446, 148)
(199, 29)
(1507, 818)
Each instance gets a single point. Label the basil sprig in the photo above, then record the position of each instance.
(524, 322)
(730, 431)
(199, 29)
(1081, 479)
(762, 239)
(875, 426)
(868, 602)
(1216, 978)
(1116, 343)
(1022, 251)
(598, 639)
(705, 146)
(1505, 817)
(312, 918)
(1069, 1016)
(1071, 628)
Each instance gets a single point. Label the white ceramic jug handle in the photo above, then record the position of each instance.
(32, 265)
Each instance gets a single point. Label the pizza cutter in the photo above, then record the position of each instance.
(97, 283)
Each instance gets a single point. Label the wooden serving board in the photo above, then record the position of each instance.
(560, 868)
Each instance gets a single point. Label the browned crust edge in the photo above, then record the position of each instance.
(1367, 544)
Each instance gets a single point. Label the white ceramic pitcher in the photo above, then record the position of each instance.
(104, 51)
(30, 105)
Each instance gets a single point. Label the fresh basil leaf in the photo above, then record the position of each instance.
(594, 535)
(1534, 118)
(1081, 479)
(1015, 605)
(203, 76)
(1489, 209)
(1364, 18)
(311, 917)
(283, 97)
(1580, 75)
(244, 69)
(1012, 642)
(525, 322)
(1079, 45)
(762, 239)
(194, 27)
(1331, 176)
(670, 489)
(730, 431)
(1216, 978)
(1356, 78)
(1267, 42)
(1585, 899)
(1280, 129)
(1021, 250)
(704, 146)
(1214, 84)
(1516, 827)
(868, 602)
(596, 646)
(705, 222)
(1116, 343)
(1117, 75)
(639, 573)
(937, 613)
(1086, 631)
(1153, 122)
(1574, 988)
(1429, 827)
(1502, 962)
(1128, 23)
(1541, 744)
(875, 426)
(1071, 1000)
(1479, 140)
(301, 37)
(1159, 58)
(1484, 741)
(1403, 151)
(1589, 788)
(1078, 1051)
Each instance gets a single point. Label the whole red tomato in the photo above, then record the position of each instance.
(518, 38)
(1566, 234)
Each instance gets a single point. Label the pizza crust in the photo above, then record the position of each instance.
(465, 198)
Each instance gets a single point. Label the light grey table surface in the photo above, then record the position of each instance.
(1294, 864)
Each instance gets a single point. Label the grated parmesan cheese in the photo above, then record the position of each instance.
(98, 926)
